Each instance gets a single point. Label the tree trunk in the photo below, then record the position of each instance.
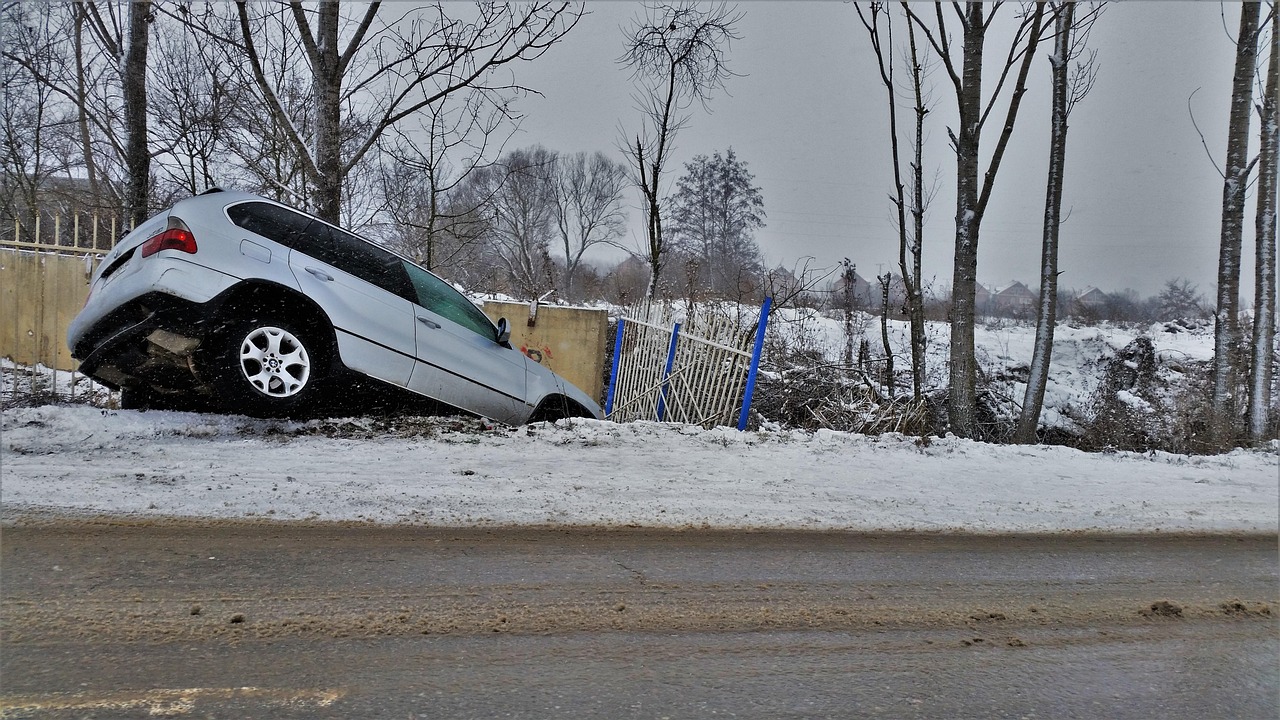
(1226, 346)
(1264, 328)
(884, 333)
(962, 399)
(1047, 313)
(327, 87)
(915, 286)
(82, 113)
(137, 158)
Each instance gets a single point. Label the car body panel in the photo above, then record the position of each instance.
(375, 329)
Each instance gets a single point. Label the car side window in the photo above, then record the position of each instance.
(358, 257)
(440, 298)
(272, 222)
(325, 243)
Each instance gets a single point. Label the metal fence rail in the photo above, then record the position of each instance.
(699, 372)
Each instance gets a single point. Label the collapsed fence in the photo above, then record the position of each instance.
(45, 267)
(701, 371)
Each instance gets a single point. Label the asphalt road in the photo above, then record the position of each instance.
(284, 621)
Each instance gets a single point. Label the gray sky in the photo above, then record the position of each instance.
(808, 115)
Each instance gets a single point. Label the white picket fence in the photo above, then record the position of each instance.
(700, 371)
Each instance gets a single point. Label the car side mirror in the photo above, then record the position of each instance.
(504, 331)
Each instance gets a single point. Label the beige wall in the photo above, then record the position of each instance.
(40, 293)
(570, 341)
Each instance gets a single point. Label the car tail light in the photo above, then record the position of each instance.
(175, 237)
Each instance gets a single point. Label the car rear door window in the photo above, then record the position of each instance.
(325, 243)
(272, 222)
(358, 257)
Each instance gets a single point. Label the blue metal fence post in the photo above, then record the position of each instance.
(755, 364)
(671, 359)
(613, 372)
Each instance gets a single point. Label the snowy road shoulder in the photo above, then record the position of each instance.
(450, 472)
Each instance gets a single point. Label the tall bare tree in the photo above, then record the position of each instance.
(369, 73)
(1069, 86)
(31, 115)
(677, 53)
(973, 188)
(137, 155)
(910, 236)
(1264, 288)
(587, 194)
(1226, 345)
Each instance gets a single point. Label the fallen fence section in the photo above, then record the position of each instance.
(700, 371)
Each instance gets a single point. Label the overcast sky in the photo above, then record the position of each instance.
(808, 116)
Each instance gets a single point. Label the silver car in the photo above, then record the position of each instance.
(232, 301)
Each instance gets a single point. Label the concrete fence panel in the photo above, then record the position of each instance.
(40, 293)
(570, 341)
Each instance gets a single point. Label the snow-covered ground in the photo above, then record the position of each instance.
(77, 460)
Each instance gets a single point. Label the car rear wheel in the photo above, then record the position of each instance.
(267, 366)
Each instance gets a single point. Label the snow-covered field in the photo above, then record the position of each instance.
(76, 460)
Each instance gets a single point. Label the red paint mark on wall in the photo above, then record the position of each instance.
(537, 354)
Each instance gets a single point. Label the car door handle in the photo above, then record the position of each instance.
(320, 274)
(429, 323)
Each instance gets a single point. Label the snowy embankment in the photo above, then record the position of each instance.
(82, 461)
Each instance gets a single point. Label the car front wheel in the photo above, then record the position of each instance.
(268, 367)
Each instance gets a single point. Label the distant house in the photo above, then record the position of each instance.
(1092, 298)
(981, 298)
(1014, 298)
(867, 294)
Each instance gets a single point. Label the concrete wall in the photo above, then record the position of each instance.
(40, 293)
(570, 341)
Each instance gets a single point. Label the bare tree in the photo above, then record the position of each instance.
(1226, 346)
(137, 156)
(677, 54)
(910, 237)
(85, 72)
(587, 195)
(368, 74)
(422, 179)
(1264, 305)
(973, 189)
(518, 213)
(1069, 87)
(31, 116)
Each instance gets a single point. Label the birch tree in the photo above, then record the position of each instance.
(964, 66)
(1226, 345)
(1069, 87)
(678, 54)
(1264, 305)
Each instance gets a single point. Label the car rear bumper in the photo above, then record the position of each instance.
(139, 341)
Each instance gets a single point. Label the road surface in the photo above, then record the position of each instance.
(280, 621)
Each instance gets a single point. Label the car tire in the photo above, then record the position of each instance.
(268, 367)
